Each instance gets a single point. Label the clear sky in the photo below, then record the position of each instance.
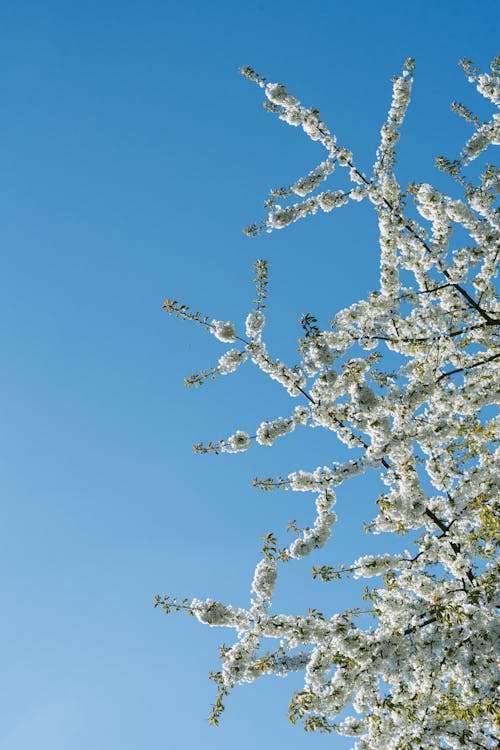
(132, 154)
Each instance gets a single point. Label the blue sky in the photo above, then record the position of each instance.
(132, 154)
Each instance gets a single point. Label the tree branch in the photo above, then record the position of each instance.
(469, 367)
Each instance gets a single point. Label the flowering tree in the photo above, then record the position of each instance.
(423, 673)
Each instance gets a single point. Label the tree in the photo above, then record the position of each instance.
(423, 672)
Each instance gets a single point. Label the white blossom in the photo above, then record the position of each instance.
(301, 414)
(224, 331)
(307, 184)
(240, 441)
(329, 200)
(277, 94)
(264, 579)
(269, 432)
(231, 360)
(254, 323)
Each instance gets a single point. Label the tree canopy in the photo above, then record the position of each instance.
(408, 379)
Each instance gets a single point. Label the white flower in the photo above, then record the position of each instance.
(301, 414)
(351, 727)
(329, 200)
(214, 613)
(373, 565)
(254, 323)
(358, 194)
(277, 94)
(264, 579)
(231, 360)
(268, 432)
(307, 184)
(240, 441)
(344, 156)
(224, 331)
(312, 126)
(292, 116)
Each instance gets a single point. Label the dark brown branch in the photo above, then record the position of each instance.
(420, 625)
(420, 339)
(455, 547)
(469, 367)
(435, 289)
